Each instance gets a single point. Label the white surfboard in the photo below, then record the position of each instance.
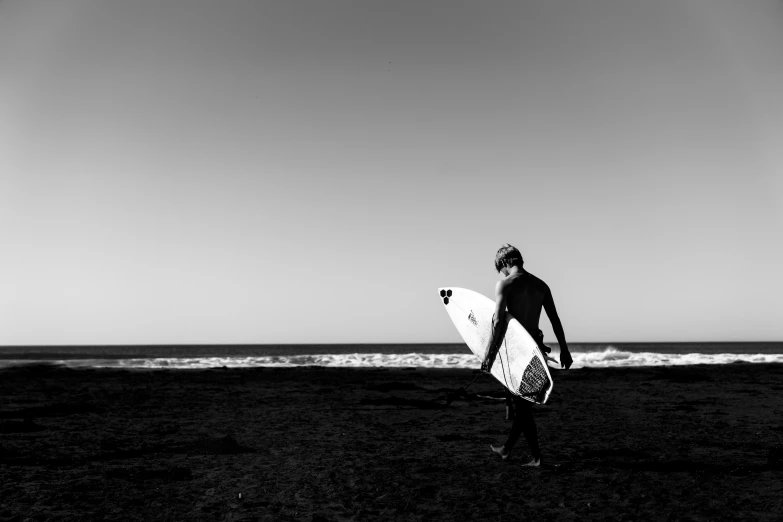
(519, 366)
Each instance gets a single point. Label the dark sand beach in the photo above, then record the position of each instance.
(665, 443)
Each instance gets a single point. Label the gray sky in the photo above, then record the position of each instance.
(188, 171)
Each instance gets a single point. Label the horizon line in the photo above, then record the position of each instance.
(121, 345)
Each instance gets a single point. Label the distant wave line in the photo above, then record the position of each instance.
(608, 358)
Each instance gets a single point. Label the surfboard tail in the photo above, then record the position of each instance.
(535, 384)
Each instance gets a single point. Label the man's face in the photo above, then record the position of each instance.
(503, 272)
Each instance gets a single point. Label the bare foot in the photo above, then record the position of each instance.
(500, 450)
(532, 464)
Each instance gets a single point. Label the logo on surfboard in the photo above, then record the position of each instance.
(472, 318)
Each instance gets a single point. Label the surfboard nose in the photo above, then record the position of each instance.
(445, 294)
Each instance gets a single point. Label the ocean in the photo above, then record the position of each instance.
(593, 355)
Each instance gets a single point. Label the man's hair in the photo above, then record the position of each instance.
(508, 256)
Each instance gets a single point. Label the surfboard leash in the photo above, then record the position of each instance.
(505, 377)
(451, 397)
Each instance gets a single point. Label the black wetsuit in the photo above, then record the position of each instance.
(526, 296)
(523, 423)
(523, 416)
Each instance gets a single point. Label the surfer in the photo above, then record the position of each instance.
(524, 295)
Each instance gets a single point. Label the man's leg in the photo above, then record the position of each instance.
(525, 410)
(523, 423)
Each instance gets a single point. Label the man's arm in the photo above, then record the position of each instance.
(549, 307)
(498, 324)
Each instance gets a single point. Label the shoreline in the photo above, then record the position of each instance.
(607, 359)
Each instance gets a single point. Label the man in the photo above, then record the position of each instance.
(524, 295)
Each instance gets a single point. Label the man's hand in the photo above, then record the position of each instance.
(485, 366)
(565, 358)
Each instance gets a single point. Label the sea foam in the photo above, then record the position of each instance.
(608, 358)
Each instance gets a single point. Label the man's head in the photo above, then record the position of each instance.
(507, 257)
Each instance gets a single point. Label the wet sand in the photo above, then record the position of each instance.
(317, 444)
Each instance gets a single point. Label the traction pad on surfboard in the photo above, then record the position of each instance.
(535, 381)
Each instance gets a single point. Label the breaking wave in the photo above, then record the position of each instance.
(608, 358)
(612, 358)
